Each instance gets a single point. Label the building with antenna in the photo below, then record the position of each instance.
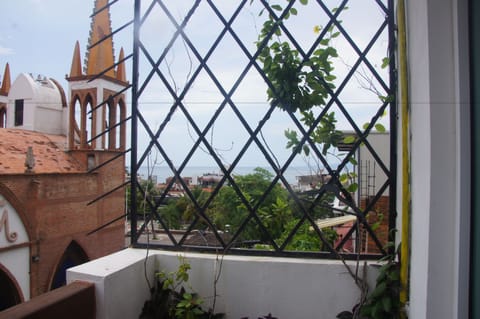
(61, 168)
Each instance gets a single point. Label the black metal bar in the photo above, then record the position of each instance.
(110, 35)
(133, 157)
(108, 5)
(107, 224)
(109, 161)
(99, 75)
(252, 252)
(108, 100)
(107, 193)
(109, 129)
(334, 99)
(393, 125)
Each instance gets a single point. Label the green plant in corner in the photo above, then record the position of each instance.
(170, 299)
(384, 301)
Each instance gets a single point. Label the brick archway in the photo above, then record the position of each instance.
(81, 130)
(73, 255)
(3, 116)
(10, 292)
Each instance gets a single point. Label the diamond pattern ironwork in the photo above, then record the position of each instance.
(262, 212)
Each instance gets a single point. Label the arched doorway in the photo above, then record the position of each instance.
(9, 295)
(3, 116)
(74, 255)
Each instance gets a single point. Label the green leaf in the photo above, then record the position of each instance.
(324, 42)
(379, 127)
(366, 310)
(330, 78)
(304, 2)
(387, 304)
(353, 161)
(377, 311)
(277, 7)
(293, 11)
(352, 188)
(343, 178)
(366, 125)
(349, 139)
(379, 290)
(306, 150)
(385, 62)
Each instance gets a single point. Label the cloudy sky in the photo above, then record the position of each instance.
(38, 37)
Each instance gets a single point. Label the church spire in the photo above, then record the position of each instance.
(76, 69)
(121, 74)
(101, 56)
(6, 81)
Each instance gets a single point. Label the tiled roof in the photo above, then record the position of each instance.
(48, 151)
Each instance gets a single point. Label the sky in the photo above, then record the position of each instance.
(38, 37)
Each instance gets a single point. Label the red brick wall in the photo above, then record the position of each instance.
(57, 212)
(379, 214)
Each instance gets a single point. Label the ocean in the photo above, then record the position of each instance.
(161, 173)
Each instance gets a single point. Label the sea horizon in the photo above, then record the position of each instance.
(161, 173)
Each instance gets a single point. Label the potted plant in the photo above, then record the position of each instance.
(170, 299)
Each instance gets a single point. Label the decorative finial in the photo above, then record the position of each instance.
(29, 161)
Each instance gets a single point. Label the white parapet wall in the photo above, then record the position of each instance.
(248, 286)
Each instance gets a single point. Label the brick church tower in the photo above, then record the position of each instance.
(62, 168)
(97, 108)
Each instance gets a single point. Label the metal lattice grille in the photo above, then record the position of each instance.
(202, 98)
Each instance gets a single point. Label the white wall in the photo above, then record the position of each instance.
(438, 83)
(248, 286)
(43, 111)
(380, 142)
(15, 258)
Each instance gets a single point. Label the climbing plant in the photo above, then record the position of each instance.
(297, 82)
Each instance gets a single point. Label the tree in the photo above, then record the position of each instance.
(306, 238)
(228, 211)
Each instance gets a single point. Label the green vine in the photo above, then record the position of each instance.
(298, 83)
(170, 298)
(384, 301)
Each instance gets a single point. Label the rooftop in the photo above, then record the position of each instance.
(48, 151)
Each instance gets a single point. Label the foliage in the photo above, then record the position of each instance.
(145, 190)
(297, 82)
(384, 301)
(306, 239)
(170, 299)
(274, 210)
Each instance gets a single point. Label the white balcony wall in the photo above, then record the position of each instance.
(248, 286)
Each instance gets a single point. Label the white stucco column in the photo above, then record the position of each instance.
(438, 81)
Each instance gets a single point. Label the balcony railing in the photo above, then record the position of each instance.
(244, 286)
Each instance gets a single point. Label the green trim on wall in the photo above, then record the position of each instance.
(475, 96)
